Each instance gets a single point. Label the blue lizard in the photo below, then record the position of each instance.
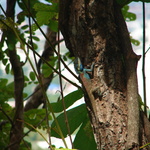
(80, 69)
(89, 87)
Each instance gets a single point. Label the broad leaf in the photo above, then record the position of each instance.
(53, 25)
(50, 13)
(35, 117)
(75, 119)
(69, 99)
(85, 134)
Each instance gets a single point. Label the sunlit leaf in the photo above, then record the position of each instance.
(49, 12)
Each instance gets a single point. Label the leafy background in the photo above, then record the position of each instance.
(78, 119)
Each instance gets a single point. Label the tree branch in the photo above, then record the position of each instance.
(37, 98)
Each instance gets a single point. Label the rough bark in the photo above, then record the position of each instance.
(132, 87)
(16, 132)
(37, 98)
(95, 31)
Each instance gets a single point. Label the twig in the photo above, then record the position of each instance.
(61, 89)
(143, 61)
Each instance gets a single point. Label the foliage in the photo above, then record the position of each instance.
(23, 35)
(129, 16)
(50, 13)
(35, 117)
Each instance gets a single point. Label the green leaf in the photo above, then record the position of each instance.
(135, 42)
(4, 61)
(24, 144)
(35, 38)
(32, 75)
(26, 78)
(34, 117)
(2, 56)
(3, 82)
(6, 90)
(11, 43)
(7, 68)
(2, 17)
(123, 2)
(46, 70)
(128, 16)
(69, 99)
(21, 17)
(44, 17)
(24, 27)
(53, 25)
(141, 103)
(4, 132)
(10, 86)
(35, 46)
(65, 57)
(25, 95)
(75, 119)
(3, 24)
(85, 134)
(34, 27)
(45, 13)
(46, 7)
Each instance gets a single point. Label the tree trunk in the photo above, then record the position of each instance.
(16, 132)
(95, 31)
